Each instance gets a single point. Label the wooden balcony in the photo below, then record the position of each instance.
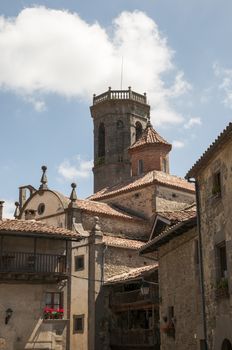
(28, 265)
(135, 297)
(135, 338)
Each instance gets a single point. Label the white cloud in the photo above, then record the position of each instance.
(177, 144)
(192, 122)
(76, 168)
(225, 77)
(38, 105)
(53, 51)
(8, 209)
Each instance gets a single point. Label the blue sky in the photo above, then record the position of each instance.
(55, 54)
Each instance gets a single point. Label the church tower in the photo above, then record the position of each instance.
(119, 118)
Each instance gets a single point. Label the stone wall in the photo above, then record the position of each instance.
(121, 260)
(168, 199)
(179, 288)
(216, 223)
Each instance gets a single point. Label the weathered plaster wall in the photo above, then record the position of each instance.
(26, 328)
(179, 287)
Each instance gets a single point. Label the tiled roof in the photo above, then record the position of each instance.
(32, 226)
(177, 216)
(133, 274)
(224, 136)
(133, 183)
(98, 208)
(122, 242)
(149, 137)
(170, 232)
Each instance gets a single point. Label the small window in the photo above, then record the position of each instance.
(120, 158)
(138, 130)
(216, 190)
(54, 300)
(222, 261)
(120, 124)
(164, 165)
(140, 167)
(79, 263)
(41, 208)
(78, 323)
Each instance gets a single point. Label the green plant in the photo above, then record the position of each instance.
(99, 161)
(222, 283)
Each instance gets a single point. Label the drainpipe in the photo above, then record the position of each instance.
(204, 345)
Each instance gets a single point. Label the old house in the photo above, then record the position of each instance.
(132, 182)
(174, 238)
(213, 176)
(34, 285)
(132, 309)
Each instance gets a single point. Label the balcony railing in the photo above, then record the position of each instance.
(120, 95)
(135, 296)
(135, 337)
(21, 262)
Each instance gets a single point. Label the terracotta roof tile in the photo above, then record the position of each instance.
(133, 274)
(122, 242)
(149, 137)
(224, 136)
(98, 208)
(177, 216)
(137, 182)
(32, 226)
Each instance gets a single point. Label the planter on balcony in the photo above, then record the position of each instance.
(53, 314)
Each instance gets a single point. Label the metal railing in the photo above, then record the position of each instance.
(120, 95)
(135, 296)
(29, 262)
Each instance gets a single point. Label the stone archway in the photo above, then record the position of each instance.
(226, 345)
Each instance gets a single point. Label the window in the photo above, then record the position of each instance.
(138, 130)
(216, 189)
(120, 124)
(79, 263)
(101, 140)
(226, 345)
(164, 165)
(222, 261)
(41, 208)
(78, 323)
(54, 300)
(120, 158)
(140, 167)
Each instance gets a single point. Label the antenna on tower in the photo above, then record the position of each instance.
(121, 72)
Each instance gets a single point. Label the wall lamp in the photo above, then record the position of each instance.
(9, 313)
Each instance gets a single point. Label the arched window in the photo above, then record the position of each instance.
(140, 167)
(226, 345)
(101, 140)
(138, 130)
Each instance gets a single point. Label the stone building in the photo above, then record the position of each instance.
(132, 309)
(34, 285)
(213, 176)
(132, 183)
(174, 238)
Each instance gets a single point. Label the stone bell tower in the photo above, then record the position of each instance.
(119, 118)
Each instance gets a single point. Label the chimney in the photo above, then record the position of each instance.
(30, 214)
(1, 209)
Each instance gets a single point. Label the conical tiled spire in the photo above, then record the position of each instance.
(150, 136)
(43, 180)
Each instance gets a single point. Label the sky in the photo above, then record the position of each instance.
(55, 54)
